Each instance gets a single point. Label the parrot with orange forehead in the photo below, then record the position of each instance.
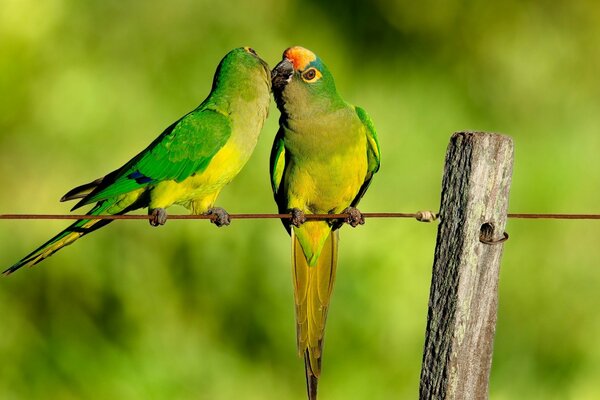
(188, 164)
(322, 161)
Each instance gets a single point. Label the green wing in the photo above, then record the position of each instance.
(183, 149)
(277, 163)
(277, 169)
(373, 155)
(372, 141)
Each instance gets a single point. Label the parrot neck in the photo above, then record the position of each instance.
(307, 110)
(245, 103)
(228, 94)
(232, 98)
(334, 131)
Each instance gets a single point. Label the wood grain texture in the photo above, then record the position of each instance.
(461, 319)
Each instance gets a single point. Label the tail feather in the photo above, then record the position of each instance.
(78, 229)
(311, 380)
(82, 191)
(312, 291)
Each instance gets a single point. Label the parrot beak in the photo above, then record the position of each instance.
(282, 74)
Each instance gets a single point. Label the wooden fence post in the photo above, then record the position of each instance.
(461, 320)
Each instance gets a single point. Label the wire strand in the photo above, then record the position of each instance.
(202, 216)
(288, 216)
(554, 216)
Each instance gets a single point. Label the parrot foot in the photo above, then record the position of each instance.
(354, 218)
(159, 216)
(218, 216)
(298, 217)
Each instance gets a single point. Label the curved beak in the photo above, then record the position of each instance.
(282, 74)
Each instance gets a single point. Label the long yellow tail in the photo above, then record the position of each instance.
(72, 233)
(312, 292)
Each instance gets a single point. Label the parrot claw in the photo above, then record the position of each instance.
(354, 217)
(298, 217)
(218, 216)
(159, 216)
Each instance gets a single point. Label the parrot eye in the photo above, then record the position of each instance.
(311, 75)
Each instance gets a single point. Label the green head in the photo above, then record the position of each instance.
(303, 85)
(242, 72)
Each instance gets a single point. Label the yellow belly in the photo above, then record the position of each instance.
(327, 187)
(199, 192)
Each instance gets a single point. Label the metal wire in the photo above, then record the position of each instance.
(417, 215)
(203, 216)
(555, 216)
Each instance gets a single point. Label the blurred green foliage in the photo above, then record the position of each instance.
(190, 311)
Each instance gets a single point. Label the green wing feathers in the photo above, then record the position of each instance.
(183, 149)
(78, 229)
(373, 154)
(277, 162)
(372, 141)
(312, 292)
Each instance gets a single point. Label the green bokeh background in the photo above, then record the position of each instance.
(189, 311)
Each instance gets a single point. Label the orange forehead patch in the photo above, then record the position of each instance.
(300, 57)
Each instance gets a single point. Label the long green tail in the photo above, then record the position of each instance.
(78, 229)
(312, 292)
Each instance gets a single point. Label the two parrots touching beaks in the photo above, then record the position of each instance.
(322, 161)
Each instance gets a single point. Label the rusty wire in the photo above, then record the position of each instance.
(425, 216)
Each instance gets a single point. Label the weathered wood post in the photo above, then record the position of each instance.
(461, 320)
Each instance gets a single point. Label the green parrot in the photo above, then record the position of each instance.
(324, 156)
(189, 163)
